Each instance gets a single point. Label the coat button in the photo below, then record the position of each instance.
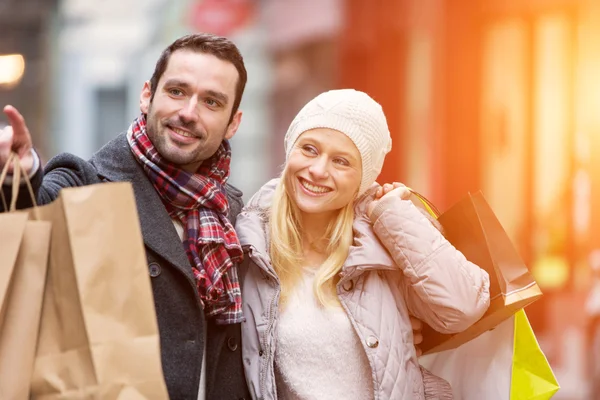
(232, 344)
(348, 285)
(260, 353)
(154, 269)
(372, 342)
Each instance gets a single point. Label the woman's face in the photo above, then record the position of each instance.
(323, 172)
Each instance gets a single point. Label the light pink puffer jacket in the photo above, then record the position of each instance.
(399, 265)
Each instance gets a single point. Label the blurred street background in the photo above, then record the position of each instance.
(501, 96)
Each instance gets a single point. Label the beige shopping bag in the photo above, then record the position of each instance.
(99, 335)
(24, 245)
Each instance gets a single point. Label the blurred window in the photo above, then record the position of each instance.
(111, 114)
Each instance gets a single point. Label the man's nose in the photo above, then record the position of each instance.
(189, 112)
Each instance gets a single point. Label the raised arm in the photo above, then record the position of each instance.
(441, 286)
(63, 171)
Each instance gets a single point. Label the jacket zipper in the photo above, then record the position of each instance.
(356, 330)
(266, 347)
(271, 321)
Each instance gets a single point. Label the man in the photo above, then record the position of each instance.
(176, 155)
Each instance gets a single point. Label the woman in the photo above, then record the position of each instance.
(334, 265)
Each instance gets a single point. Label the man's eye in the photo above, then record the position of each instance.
(175, 92)
(211, 103)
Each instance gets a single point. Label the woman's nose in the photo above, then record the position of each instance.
(319, 169)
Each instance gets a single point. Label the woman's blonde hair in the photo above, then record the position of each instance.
(286, 247)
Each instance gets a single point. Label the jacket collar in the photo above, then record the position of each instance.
(115, 162)
(366, 253)
(252, 227)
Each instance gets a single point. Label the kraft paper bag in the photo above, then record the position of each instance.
(99, 335)
(21, 316)
(24, 246)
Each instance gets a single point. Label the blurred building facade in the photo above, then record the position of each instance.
(27, 28)
(504, 97)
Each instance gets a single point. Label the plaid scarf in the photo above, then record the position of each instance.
(200, 203)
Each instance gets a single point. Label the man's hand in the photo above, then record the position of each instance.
(16, 138)
(417, 328)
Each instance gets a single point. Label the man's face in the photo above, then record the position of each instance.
(189, 116)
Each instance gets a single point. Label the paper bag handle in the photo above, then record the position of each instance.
(431, 209)
(17, 170)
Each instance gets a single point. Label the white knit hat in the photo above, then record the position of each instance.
(356, 115)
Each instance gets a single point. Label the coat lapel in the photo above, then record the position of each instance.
(115, 162)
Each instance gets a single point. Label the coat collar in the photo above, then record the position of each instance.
(116, 163)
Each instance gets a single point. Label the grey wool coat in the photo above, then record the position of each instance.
(180, 316)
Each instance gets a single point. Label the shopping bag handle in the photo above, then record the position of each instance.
(17, 170)
(431, 208)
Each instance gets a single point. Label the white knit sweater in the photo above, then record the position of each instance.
(319, 356)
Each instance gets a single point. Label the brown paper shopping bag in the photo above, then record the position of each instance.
(98, 335)
(24, 245)
(473, 228)
(20, 323)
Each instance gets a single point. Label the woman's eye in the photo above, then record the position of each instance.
(341, 161)
(309, 149)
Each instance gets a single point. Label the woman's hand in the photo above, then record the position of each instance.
(386, 191)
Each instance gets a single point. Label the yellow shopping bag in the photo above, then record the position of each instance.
(532, 377)
(505, 363)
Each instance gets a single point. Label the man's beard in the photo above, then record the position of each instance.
(158, 134)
